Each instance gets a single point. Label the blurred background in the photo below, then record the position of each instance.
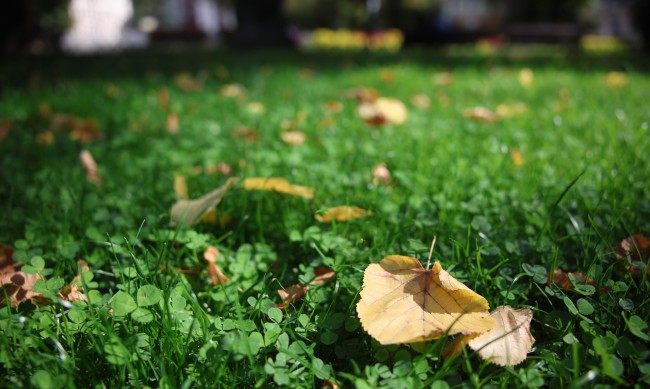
(90, 26)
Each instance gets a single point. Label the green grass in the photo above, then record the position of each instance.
(583, 187)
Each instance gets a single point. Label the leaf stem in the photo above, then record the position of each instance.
(433, 243)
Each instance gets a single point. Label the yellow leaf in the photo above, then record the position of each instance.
(383, 110)
(511, 109)
(526, 77)
(342, 213)
(401, 302)
(616, 79)
(180, 187)
(278, 185)
(189, 212)
(508, 343)
(293, 137)
(517, 157)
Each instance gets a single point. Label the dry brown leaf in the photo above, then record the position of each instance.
(278, 185)
(112, 91)
(220, 168)
(189, 212)
(85, 130)
(323, 274)
(637, 247)
(5, 128)
(616, 79)
(526, 77)
(443, 78)
(297, 292)
(180, 187)
(342, 213)
(508, 343)
(45, 138)
(211, 217)
(363, 94)
(211, 255)
(73, 291)
(401, 302)
(89, 164)
(382, 110)
(381, 174)
(18, 286)
(387, 76)
(481, 114)
(173, 123)
(329, 384)
(247, 134)
(45, 110)
(235, 91)
(187, 83)
(334, 106)
(421, 101)
(6, 259)
(293, 137)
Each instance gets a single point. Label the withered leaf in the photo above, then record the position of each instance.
(89, 164)
(189, 212)
(342, 213)
(211, 255)
(278, 185)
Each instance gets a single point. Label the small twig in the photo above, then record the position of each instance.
(433, 243)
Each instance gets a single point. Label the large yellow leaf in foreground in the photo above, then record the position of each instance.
(278, 185)
(401, 302)
(508, 343)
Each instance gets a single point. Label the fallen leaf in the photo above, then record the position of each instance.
(292, 294)
(293, 137)
(235, 91)
(481, 114)
(211, 217)
(278, 185)
(112, 91)
(6, 259)
(563, 280)
(85, 131)
(382, 110)
(173, 122)
(45, 110)
(387, 76)
(363, 94)
(18, 287)
(45, 138)
(323, 274)
(637, 247)
(421, 101)
(616, 79)
(187, 83)
(381, 174)
(256, 108)
(220, 168)
(401, 302)
(245, 133)
(526, 77)
(334, 106)
(342, 213)
(443, 78)
(517, 157)
(5, 128)
(89, 164)
(297, 292)
(74, 290)
(211, 255)
(508, 343)
(189, 212)
(329, 384)
(511, 109)
(180, 187)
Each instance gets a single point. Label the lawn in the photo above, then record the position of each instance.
(530, 206)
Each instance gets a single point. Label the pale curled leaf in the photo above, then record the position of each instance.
(481, 114)
(342, 213)
(89, 164)
(278, 185)
(508, 343)
(211, 255)
(189, 212)
(401, 302)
